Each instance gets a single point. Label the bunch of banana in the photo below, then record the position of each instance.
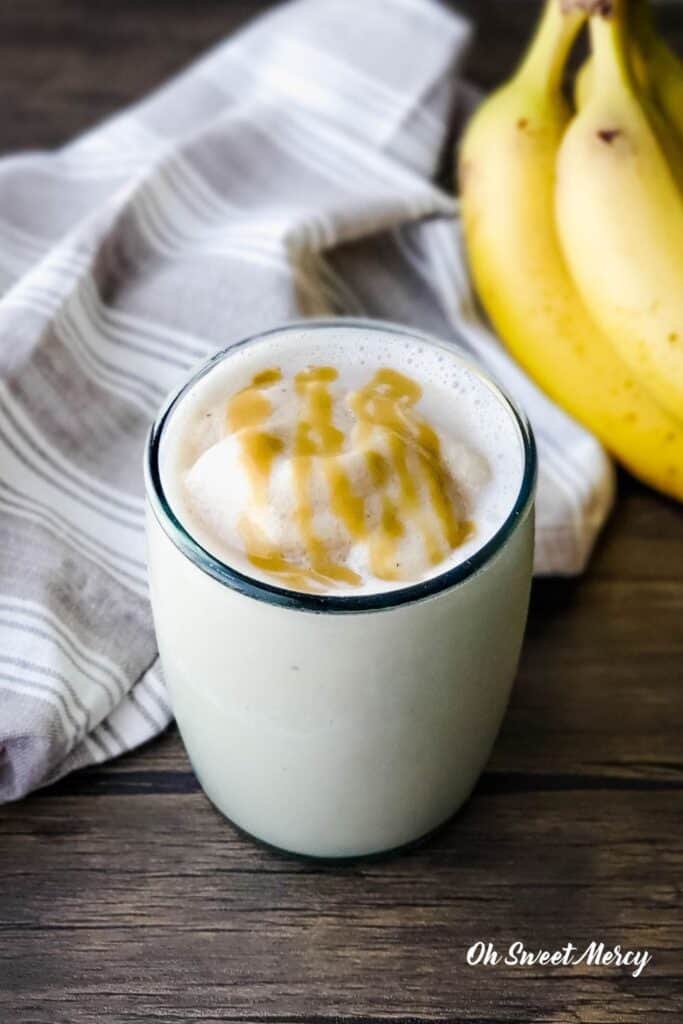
(574, 230)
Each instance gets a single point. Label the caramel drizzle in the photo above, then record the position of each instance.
(316, 435)
(247, 411)
(384, 410)
(387, 404)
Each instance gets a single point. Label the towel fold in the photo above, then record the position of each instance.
(287, 173)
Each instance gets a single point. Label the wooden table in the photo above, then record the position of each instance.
(125, 898)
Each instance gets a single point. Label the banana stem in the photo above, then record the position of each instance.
(544, 63)
(609, 43)
(642, 20)
(653, 44)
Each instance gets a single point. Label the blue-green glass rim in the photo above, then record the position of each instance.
(333, 603)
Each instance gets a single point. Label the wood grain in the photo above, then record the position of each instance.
(124, 897)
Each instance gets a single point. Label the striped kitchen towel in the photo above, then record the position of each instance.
(287, 173)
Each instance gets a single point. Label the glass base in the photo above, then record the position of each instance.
(346, 859)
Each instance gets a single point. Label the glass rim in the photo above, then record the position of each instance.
(270, 593)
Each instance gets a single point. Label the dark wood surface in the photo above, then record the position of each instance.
(125, 898)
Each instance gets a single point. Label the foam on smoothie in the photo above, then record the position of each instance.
(341, 460)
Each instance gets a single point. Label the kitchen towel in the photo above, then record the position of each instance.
(287, 173)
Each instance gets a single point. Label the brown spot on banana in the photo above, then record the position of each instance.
(608, 135)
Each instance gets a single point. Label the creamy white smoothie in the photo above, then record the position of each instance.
(340, 541)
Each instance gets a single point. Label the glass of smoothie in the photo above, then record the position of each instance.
(340, 541)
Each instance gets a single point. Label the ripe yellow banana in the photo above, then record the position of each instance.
(620, 219)
(583, 81)
(507, 171)
(655, 66)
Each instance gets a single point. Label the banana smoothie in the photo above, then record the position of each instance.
(340, 540)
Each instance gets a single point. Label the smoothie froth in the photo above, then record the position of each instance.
(345, 470)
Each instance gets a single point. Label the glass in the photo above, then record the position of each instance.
(335, 725)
